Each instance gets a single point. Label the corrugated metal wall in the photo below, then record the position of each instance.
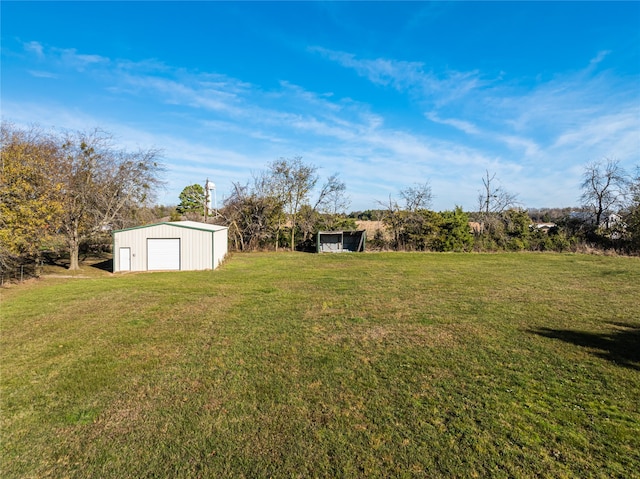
(198, 250)
(220, 246)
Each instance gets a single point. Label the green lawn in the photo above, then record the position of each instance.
(353, 365)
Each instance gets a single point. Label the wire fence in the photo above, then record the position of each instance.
(19, 274)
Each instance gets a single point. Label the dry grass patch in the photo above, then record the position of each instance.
(394, 336)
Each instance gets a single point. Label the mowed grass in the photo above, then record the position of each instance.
(353, 365)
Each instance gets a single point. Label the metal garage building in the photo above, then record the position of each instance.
(178, 246)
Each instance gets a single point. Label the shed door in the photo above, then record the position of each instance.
(163, 254)
(124, 257)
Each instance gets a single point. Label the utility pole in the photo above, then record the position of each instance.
(206, 200)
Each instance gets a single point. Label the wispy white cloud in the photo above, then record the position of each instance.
(341, 136)
(545, 115)
(64, 58)
(35, 48)
(462, 125)
(42, 74)
(616, 134)
(441, 88)
(70, 58)
(598, 59)
(181, 92)
(520, 143)
(531, 136)
(399, 74)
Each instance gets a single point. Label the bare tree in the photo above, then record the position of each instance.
(417, 197)
(102, 185)
(329, 209)
(603, 187)
(494, 199)
(332, 197)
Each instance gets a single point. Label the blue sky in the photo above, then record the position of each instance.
(385, 94)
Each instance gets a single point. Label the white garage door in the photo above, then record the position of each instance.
(163, 254)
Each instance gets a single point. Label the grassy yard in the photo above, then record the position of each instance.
(354, 365)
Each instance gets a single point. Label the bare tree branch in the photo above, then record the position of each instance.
(603, 187)
(494, 199)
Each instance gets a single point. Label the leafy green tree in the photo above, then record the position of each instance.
(517, 226)
(30, 194)
(192, 200)
(336, 222)
(309, 220)
(558, 240)
(454, 232)
(421, 229)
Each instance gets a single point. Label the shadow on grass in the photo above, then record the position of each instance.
(106, 265)
(620, 346)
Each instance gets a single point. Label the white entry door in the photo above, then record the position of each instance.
(163, 254)
(124, 259)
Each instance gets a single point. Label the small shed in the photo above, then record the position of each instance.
(177, 246)
(341, 241)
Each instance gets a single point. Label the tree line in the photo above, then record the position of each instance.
(69, 190)
(277, 210)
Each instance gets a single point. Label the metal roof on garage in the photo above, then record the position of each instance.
(194, 225)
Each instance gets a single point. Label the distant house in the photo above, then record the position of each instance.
(544, 226)
(612, 221)
(613, 225)
(172, 246)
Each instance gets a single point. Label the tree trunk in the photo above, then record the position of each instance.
(74, 253)
(599, 211)
(74, 248)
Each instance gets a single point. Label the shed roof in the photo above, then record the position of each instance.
(194, 225)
